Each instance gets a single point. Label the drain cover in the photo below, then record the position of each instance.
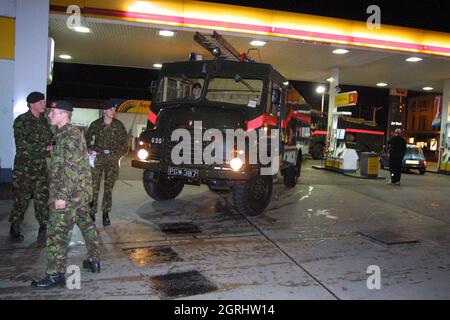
(184, 284)
(389, 238)
(142, 257)
(179, 228)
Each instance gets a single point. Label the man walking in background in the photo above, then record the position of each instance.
(397, 150)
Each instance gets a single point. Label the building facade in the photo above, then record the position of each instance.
(422, 111)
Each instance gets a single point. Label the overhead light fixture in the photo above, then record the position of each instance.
(258, 43)
(65, 56)
(414, 59)
(330, 79)
(142, 7)
(381, 84)
(428, 88)
(320, 89)
(340, 51)
(166, 33)
(157, 65)
(82, 29)
(286, 83)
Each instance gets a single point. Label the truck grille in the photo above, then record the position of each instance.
(195, 151)
(192, 145)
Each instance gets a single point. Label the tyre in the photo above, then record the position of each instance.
(422, 171)
(317, 151)
(164, 189)
(292, 173)
(252, 197)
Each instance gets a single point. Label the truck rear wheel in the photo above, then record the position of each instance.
(317, 151)
(292, 173)
(164, 189)
(252, 197)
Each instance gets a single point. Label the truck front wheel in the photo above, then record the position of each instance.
(253, 196)
(163, 189)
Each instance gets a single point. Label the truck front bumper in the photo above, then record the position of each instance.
(206, 174)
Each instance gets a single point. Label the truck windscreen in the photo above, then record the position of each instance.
(237, 90)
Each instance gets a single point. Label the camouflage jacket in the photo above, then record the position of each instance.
(70, 174)
(32, 136)
(113, 137)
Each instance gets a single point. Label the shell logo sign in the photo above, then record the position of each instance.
(134, 106)
(347, 99)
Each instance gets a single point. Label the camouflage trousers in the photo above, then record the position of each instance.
(59, 234)
(30, 181)
(109, 166)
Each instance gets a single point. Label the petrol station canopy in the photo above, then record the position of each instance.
(300, 46)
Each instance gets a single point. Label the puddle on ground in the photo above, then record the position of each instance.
(143, 257)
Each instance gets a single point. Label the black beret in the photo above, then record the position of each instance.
(63, 105)
(35, 97)
(108, 105)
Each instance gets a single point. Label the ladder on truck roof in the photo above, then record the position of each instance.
(217, 46)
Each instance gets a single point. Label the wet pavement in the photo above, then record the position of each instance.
(315, 241)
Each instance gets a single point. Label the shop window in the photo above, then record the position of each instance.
(412, 125)
(423, 106)
(422, 122)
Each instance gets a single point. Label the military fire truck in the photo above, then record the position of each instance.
(197, 104)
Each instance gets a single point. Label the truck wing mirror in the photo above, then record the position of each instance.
(153, 87)
(276, 96)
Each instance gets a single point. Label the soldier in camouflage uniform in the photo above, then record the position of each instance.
(33, 139)
(108, 140)
(70, 195)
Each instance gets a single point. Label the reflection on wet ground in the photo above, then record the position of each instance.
(141, 257)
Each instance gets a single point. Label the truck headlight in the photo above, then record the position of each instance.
(143, 154)
(236, 164)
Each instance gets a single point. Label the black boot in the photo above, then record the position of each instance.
(50, 281)
(106, 221)
(15, 231)
(92, 265)
(42, 234)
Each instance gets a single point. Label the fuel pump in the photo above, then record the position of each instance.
(339, 156)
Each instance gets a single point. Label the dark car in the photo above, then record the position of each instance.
(413, 159)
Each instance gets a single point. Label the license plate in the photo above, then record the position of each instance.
(181, 172)
(412, 162)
